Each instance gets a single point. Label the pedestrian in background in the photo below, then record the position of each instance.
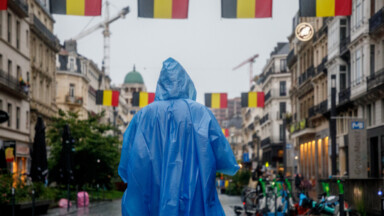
(171, 152)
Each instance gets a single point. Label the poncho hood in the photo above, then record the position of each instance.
(174, 82)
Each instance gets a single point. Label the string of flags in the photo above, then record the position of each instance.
(166, 9)
(3, 4)
(225, 132)
(216, 100)
(178, 9)
(76, 7)
(325, 8)
(142, 99)
(246, 9)
(107, 98)
(252, 99)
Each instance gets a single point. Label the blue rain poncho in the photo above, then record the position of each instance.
(171, 152)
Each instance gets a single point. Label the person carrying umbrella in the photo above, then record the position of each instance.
(171, 152)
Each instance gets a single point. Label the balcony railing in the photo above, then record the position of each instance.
(13, 84)
(291, 58)
(375, 79)
(306, 75)
(376, 21)
(320, 33)
(264, 119)
(298, 126)
(74, 100)
(344, 44)
(344, 95)
(322, 107)
(267, 96)
(311, 112)
(38, 25)
(321, 67)
(265, 142)
(19, 6)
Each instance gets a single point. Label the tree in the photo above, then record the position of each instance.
(95, 151)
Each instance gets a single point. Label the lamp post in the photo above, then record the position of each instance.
(332, 124)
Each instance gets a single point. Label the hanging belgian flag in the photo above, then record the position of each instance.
(107, 98)
(3, 4)
(166, 9)
(246, 8)
(325, 8)
(142, 99)
(225, 132)
(76, 7)
(216, 100)
(252, 99)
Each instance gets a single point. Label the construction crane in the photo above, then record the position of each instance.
(250, 61)
(106, 33)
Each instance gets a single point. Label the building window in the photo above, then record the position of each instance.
(9, 67)
(10, 115)
(17, 34)
(18, 72)
(372, 59)
(9, 27)
(27, 38)
(283, 88)
(281, 132)
(282, 109)
(71, 64)
(17, 117)
(27, 120)
(72, 90)
(371, 114)
(283, 65)
(358, 15)
(343, 77)
(358, 67)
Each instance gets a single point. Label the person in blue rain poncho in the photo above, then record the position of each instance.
(171, 152)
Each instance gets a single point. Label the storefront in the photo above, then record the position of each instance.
(17, 155)
(314, 158)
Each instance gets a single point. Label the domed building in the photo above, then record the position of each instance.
(133, 82)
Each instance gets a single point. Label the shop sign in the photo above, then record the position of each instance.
(10, 148)
(357, 150)
(304, 31)
(3, 116)
(358, 125)
(22, 149)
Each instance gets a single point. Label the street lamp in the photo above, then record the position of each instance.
(332, 123)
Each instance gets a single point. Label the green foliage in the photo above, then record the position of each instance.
(23, 193)
(360, 207)
(95, 152)
(238, 182)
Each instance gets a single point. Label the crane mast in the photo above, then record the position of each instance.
(250, 61)
(106, 34)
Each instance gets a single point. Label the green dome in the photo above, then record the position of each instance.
(133, 77)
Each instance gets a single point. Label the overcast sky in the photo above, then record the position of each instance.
(207, 46)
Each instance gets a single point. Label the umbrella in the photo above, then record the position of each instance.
(39, 166)
(65, 162)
